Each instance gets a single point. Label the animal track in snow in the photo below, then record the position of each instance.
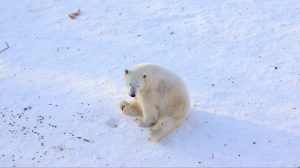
(113, 123)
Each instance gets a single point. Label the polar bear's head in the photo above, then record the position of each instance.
(136, 80)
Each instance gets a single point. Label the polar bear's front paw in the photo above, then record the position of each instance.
(142, 123)
(146, 124)
(129, 109)
(123, 104)
(125, 107)
(138, 120)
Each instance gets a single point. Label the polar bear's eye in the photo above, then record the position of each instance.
(144, 76)
(126, 71)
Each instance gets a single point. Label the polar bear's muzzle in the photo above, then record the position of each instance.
(132, 91)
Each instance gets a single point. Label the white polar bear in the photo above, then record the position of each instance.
(160, 98)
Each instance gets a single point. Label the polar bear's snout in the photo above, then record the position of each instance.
(132, 91)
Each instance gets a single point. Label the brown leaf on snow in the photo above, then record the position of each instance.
(74, 14)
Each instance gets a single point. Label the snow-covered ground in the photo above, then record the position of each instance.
(61, 81)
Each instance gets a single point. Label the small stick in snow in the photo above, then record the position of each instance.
(86, 140)
(74, 14)
(7, 47)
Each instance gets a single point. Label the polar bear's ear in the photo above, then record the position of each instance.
(126, 71)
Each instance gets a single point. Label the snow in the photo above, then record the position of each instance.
(62, 80)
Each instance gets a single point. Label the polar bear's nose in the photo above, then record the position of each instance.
(132, 94)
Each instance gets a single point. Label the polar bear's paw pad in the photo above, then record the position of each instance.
(155, 132)
(155, 135)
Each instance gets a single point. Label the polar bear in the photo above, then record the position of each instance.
(160, 99)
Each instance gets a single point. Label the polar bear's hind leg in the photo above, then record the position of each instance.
(163, 127)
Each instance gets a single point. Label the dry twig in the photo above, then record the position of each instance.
(74, 14)
(7, 47)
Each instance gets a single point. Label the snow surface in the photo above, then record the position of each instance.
(62, 80)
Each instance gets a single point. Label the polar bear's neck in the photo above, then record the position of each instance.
(144, 94)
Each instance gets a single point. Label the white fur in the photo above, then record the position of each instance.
(161, 99)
